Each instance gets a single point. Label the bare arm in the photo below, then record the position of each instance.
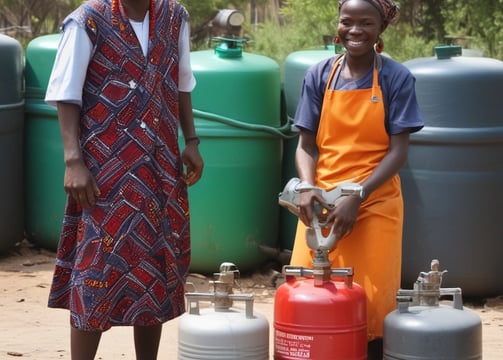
(190, 154)
(69, 120)
(390, 164)
(306, 157)
(78, 180)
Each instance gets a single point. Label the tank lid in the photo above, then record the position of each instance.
(447, 51)
(229, 48)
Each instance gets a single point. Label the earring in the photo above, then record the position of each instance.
(379, 45)
(337, 40)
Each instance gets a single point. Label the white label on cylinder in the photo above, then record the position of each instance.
(298, 346)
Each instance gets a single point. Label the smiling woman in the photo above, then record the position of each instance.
(355, 115)
(361, 24)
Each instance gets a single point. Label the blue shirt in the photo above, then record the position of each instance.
(397, 85)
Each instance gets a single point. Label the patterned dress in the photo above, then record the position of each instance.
(124, 261)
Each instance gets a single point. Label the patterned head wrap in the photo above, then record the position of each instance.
(387, 8)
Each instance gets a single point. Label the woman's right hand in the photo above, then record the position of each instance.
(80, 184)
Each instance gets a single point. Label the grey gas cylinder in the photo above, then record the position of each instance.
(453, 199)
(422, 328)
(224, 331)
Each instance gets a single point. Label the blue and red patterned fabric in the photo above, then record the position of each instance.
(124, 262)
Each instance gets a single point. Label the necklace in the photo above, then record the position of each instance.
(118, 8)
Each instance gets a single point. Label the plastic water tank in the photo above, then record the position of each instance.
(452, 180)
(44, 168)
(237, 116)
(11, 142)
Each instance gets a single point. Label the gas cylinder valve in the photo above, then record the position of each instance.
(222, 296)
(224, 332)
(427, 290)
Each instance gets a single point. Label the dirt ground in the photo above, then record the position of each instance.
(30, 330)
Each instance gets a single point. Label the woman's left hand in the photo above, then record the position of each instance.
(344, 215)
(193, 162)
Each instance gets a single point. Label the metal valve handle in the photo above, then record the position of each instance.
(222, 296)
(193, 300)
(406, 298)
(300, 271)
(290, 198)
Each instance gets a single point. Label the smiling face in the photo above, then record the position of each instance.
(360, 24)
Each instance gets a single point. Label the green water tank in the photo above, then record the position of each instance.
(452, 180)
(43, 162)
(295, 68)
(234, 207)
(11, 143)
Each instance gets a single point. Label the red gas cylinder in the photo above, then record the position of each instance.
(322, 316)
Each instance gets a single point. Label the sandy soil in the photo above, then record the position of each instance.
(30, 330)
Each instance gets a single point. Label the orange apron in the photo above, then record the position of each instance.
(352, 140)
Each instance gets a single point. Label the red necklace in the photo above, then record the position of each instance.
(118, 8)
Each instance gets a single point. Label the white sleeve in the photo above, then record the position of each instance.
(70, 66)
(186, 80)
(72, 59)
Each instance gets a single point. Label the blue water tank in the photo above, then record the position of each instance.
(452, 180)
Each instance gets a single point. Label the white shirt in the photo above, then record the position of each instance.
(74, 53)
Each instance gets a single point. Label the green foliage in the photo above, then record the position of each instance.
(307, 21)
(301, 24)
(32, 18)
(401, 44)
(201, 11)
(318, 16)
(201, 14)
(304, 24)
(275, 41)
(478, 24)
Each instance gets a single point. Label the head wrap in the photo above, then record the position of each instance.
(387, 8)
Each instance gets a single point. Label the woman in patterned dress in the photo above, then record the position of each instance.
(121, 83)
